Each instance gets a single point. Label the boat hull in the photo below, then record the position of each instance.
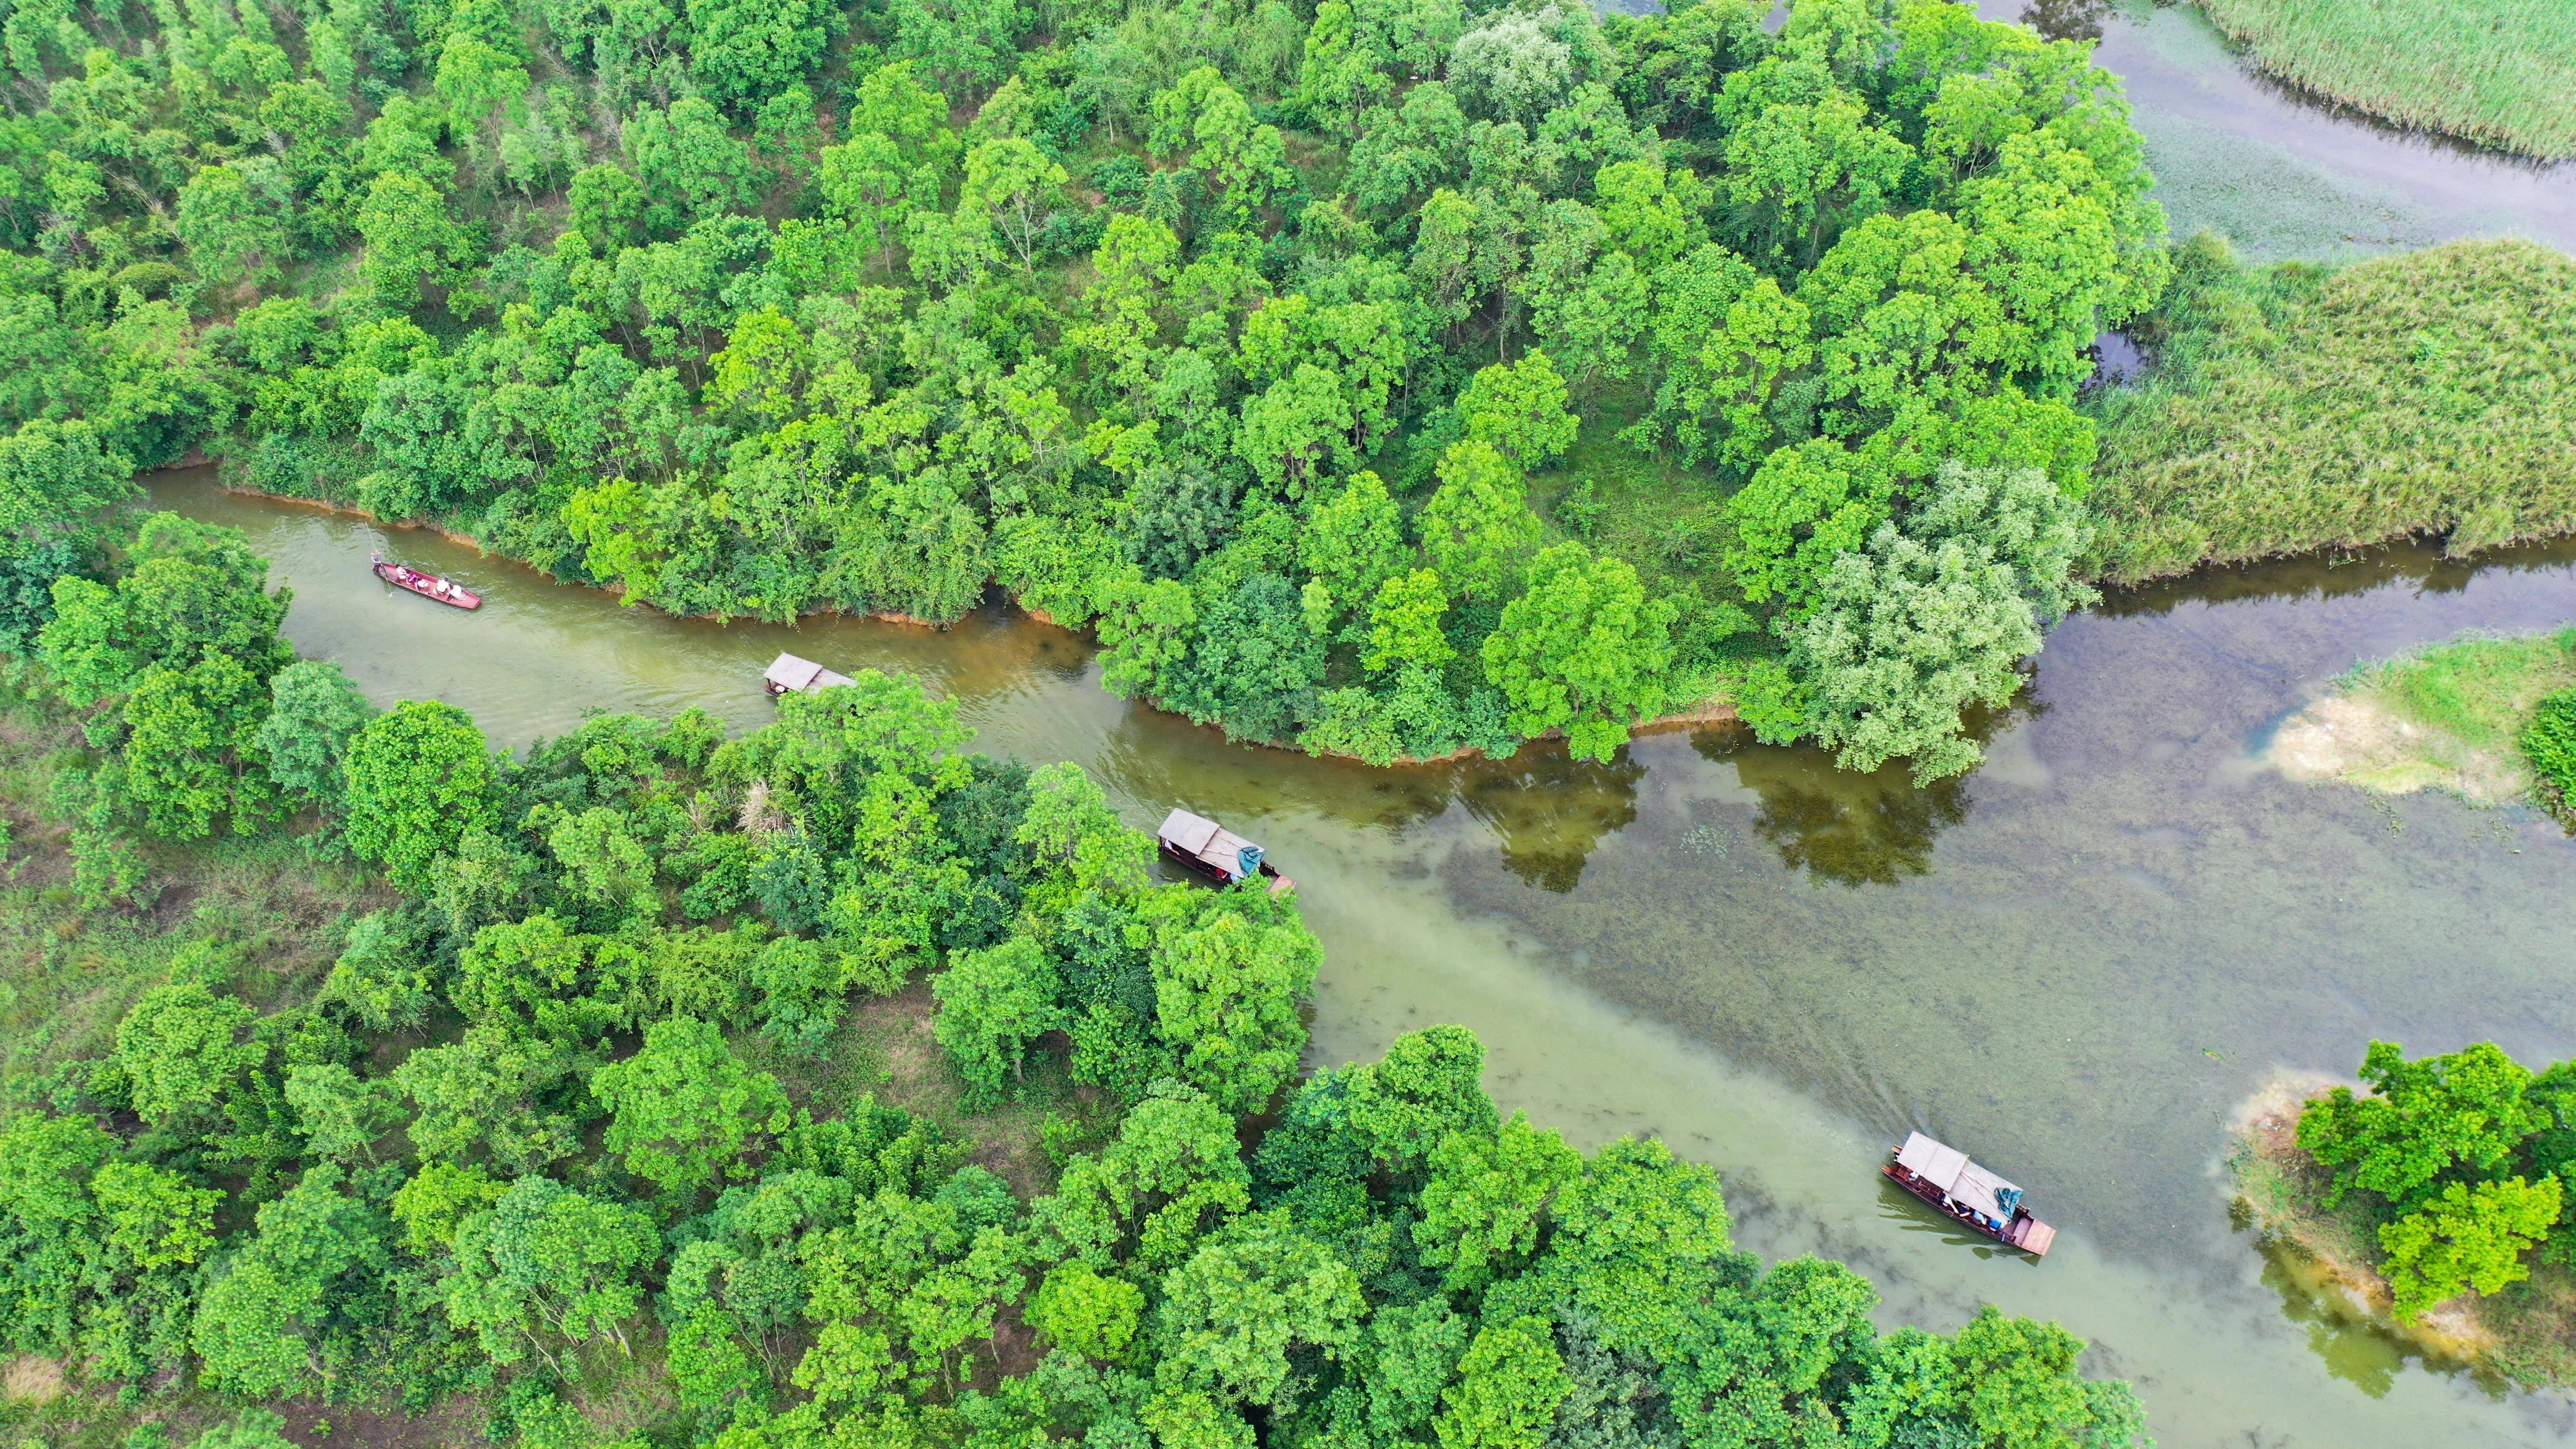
(458, 597)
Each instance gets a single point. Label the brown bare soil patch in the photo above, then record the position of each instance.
(30, 1379)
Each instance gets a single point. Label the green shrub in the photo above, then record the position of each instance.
(2550, 745)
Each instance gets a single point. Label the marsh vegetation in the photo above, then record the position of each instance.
(2295, 408)
(2498, 72)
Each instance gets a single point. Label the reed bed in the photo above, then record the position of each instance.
(2296, 408)
(2498, 72)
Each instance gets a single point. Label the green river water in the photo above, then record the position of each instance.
(2076, 963)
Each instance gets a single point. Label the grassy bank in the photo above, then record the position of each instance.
(2449, 717)
(2498, 72)
(2527, 1332)
(2296, 408)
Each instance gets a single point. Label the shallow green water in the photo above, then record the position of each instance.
(2075, 962)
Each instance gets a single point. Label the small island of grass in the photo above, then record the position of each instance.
(2501, 73)
(2430, 1200)
(2480, 717)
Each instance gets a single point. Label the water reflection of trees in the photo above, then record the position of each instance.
(1550, 810)
(2066, 19)
(1839, 825)
(2334, 575)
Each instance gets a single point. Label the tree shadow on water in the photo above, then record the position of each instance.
(2066, 19)
(1550, 810)
(1840, 825)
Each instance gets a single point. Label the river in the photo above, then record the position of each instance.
(2239, 153)
(2076, 961)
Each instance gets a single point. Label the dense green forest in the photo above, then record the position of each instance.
(352, 1065)
(1235, 331)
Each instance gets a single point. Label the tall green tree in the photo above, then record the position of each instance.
(992, 1005)
(2470, 1238)
(1232, 1316)
(546, 1267)
(684, 1109)
(180, 1048)
(744, 54)
(1584, 650)
(314, 712)
(1476, 525)
(411, 241)
(419, 778)
(1352, 544)
(2456, 1116)
(290, 1311)
(1508, 1387)
(1519, 408)
(196, 591)
(192, 749)
(1226, 988)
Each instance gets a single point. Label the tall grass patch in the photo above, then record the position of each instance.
(2296, 408)
(2498, 72)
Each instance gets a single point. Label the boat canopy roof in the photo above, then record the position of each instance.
(791, 673)
(1967, 1184)
(1198, 836)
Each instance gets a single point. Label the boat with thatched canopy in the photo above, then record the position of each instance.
(788, 674)
(1213, 853)
(1943, 1176)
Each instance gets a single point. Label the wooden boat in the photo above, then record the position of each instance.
(788, 674)
(1213, 853)
(428, 586)
(1943, 1176)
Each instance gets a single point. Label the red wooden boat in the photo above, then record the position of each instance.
(1943, 1176)
(428, 586)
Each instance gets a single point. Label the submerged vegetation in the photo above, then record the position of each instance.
(2297, 407)
(2498, 72)
(2437, 1193)
(1232, 329)
(2485, 718)
(821, 1088)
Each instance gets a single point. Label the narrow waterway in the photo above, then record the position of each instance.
(2075, 962)
(2239, 153)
